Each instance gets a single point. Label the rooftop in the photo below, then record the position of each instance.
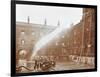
(35, 25)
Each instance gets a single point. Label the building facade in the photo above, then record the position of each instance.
(27, 35)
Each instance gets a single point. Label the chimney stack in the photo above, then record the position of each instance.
(28, 19)
(58, 24)
(45, 22)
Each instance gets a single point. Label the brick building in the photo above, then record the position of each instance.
(89, 31)
(79, 40)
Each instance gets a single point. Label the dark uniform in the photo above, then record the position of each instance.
(36, 65)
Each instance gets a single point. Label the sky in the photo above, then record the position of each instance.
(52, 14)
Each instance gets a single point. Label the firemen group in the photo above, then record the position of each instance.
(42, 64)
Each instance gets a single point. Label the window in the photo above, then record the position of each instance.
(89, 45)
(63, 36)
(74, 42)
(56, 43)
(63, 44)
(63, 51)
(22, 33)
(22, 52)
(33, 33)
(67, 43)
(22, 42)
(74, 32)
(41, 34)
(87, 29)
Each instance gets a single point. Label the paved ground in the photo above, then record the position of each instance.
(71, 66)
(65, 66)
